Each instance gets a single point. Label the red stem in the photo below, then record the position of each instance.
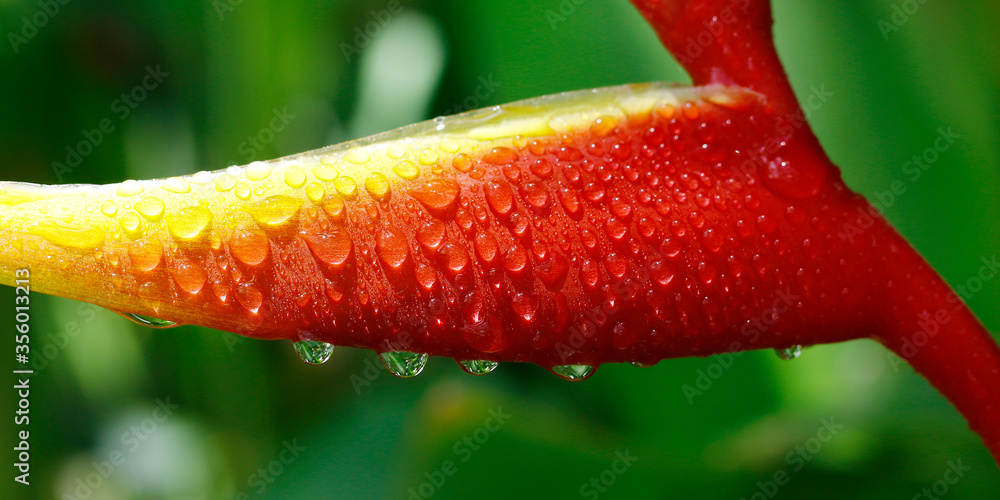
(928, 325)
(923, 320)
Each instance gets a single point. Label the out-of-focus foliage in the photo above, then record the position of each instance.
(246, 408)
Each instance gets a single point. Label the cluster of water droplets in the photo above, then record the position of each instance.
(575, 215)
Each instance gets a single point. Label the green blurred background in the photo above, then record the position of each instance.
(233, 65)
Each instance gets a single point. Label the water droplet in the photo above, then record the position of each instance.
(146, 255)
(332, 248)
(500, 197)
(486, 247)
(357, 156)
(187, 224)
(249, 247)
(449, 145)
(553, 272)
(148, 321)
(243, 191)
(395, 151)
(573, 372)
(334, 207)
(516, 259)
(130, 188)
(109, 208)
(431, 235)
(569, 199)
(80, 238)
(437, 195)
(176, 185)
(623, 335)
(615, 229)
(593, 192)
(406, 169)
(275, 210)
(188, 276)
(249, 297)
(616, 264)
(346, 186)
(314, 352)
(150, 208)
(130, 223)
(789, 353)
(500, 156)
(325, 172)
(295, 177)
(542, 168)
(257, 171)
(590, 273)
(224, 183)
(221, 290)
(428, 157)
(478, 366)
(462, 162)
(426, 276)
(404, 364)
(536, 195)
(453, 257)
(377, 186)
(792, 172)
(392, 249)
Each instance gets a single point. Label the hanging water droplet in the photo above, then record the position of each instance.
(148, 321)
(404, 364)
(478, 366)
(314, 352)
(789, 353)
(573, 372)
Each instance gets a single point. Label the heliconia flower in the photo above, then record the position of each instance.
(624, 224)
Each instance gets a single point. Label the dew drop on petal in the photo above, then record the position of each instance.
(332, 248)
(314, 352)
(392, 249)
(150, 208)
(148, 321)
(295, 177)
(176, 185)
(377, 186)
(249, 297)
(225, 182)
(249, 247)
(130, 188)
(346, 186)
(437, 195)
(257, 171)
(500, 156)
(406, 169)
(431, 235)
(404, 364)
(500, 197)
(275, 211)
(478, 366)
(789, 353)
(315, 191)
(573, 372)
(189, 276)
(188, 224)
(109, 208)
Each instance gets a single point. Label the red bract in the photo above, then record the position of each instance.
(628, 224)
